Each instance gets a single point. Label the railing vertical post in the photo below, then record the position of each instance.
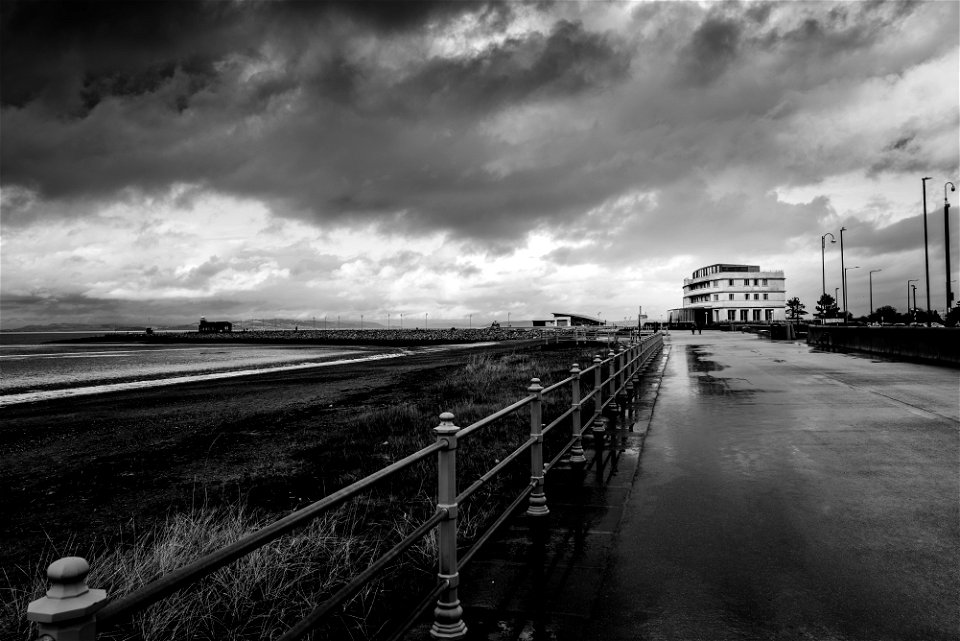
(576, 450)
(448, 615)
(67, 612)
(538, 499)
(598, 427)
(612, 357)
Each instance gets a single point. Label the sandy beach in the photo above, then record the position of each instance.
(76, 471)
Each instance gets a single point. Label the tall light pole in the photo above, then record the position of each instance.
(843, 275)
(845, 270)
(823, 268)
(946, 243)
(914, 297)
(401, 320)
(471, 321)
(872, 272)
(425, 315)
(926, 256)
(912, 280)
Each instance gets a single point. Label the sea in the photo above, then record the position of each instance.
(34, 366)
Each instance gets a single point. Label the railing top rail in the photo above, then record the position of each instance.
(486, 420)
(178, 579)
(555, 386)
(588, 369)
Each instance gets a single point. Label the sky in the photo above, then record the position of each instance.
(162, 161)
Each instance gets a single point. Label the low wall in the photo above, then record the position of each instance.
(932, 344)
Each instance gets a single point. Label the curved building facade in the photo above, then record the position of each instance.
(727, 293)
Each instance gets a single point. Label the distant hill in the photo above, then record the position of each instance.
(75, 327)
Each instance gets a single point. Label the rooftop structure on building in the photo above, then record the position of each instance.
(727, 293)
(567, 319)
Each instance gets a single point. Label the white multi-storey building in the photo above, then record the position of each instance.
(732, 294)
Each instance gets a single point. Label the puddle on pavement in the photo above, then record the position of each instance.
(701, 369)
(696, 361)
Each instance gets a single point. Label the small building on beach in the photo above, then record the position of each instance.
(215, 327)
(567, 319)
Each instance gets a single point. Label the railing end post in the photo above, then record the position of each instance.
(448, 614)
(66, 613)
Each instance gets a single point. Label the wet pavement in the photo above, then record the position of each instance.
(762, 490)
(789, 494)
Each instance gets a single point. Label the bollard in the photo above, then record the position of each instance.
(67, 612)
(538, 499)
(448, 615)
(576, 450)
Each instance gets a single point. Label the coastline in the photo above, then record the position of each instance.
(376, 337)
(93, 468)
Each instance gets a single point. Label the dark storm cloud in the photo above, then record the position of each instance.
(317, 133)
(344, 113)
(122, 47)
(713, 47)
(569, 60)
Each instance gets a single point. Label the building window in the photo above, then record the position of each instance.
(764, 282)
(746, 282)
(716, 297)
(730, 282)
(756, 297)
(766, 297)
(756, 314)
(743, 315)
(731, 296)
(731, 314)
(746, 296)
(769, 314)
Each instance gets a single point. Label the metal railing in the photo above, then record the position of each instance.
(71, 610)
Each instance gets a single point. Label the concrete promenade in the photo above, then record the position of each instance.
(782, 493)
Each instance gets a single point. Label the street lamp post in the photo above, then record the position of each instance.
(471, 321)
(914, 297)
(401, 320)
(946, 242)
(843, 275)
(845, 270)
(823, 268)
(926, 256)
(912, 280)
(872, 272)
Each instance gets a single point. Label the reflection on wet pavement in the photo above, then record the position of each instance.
(788, 494)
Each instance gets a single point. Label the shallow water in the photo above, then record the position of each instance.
(36, 371)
